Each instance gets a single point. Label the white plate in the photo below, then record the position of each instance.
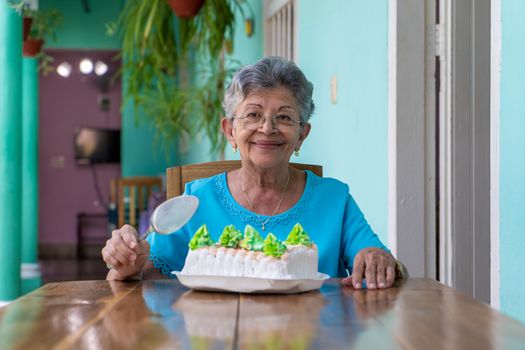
(250, 284)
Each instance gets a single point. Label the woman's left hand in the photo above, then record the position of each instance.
(376, 266)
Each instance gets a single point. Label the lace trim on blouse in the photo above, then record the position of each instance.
(160, 265)
(248, 217)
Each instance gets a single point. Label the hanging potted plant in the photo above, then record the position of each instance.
(43, 25)
(176, 70)
(186, 8)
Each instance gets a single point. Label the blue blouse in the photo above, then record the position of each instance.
(326, 210)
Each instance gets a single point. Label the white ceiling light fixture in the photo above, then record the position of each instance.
(86, 66)
(64, 69)
(101, 68)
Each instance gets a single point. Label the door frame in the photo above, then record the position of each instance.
(495, 65)
(411, 135)
(465, 220)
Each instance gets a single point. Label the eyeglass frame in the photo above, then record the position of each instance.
(263, 119)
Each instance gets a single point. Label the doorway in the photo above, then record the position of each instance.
(439, 140)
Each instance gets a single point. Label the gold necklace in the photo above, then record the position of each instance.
(261, 221)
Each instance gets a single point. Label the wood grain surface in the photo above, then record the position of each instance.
(162, 314)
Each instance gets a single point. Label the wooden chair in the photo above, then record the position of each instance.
(138, 190)
(177, 177)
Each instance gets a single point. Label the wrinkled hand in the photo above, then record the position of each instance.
(376, 265)
(124, 253)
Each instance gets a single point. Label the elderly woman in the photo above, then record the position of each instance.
(268, 105)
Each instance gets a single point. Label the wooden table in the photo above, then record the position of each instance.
(415, 314)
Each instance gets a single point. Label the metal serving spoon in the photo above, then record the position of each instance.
(172, 214)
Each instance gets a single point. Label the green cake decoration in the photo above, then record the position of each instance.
(252, 239)
(298, 236)
(230, 237)
(201, 238)
(273, 247)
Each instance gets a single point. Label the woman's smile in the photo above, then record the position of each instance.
(263, 144)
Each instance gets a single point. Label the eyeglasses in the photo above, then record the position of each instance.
(253, 121)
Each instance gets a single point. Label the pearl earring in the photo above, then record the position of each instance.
(296, 152)
(234, 146)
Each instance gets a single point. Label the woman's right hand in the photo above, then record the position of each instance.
(125, 254)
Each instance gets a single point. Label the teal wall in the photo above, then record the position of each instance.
(80, 30)
(349, 39)
(512, 159)
(142, 154)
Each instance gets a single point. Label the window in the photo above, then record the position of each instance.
(279, 28)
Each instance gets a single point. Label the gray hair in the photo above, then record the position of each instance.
(269, 73)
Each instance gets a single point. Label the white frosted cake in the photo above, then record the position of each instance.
(250, 255)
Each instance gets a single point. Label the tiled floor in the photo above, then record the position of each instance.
(72, 270)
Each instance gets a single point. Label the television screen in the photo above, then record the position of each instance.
(97, 145)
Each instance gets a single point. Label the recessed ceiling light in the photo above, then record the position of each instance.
(64, 69)
(86, 66)
(101, 68)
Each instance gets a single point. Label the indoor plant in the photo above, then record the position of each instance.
(43, 26)
(37, 26)
(175, 70)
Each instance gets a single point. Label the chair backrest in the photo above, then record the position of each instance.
(138, 190)
(177, 177)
